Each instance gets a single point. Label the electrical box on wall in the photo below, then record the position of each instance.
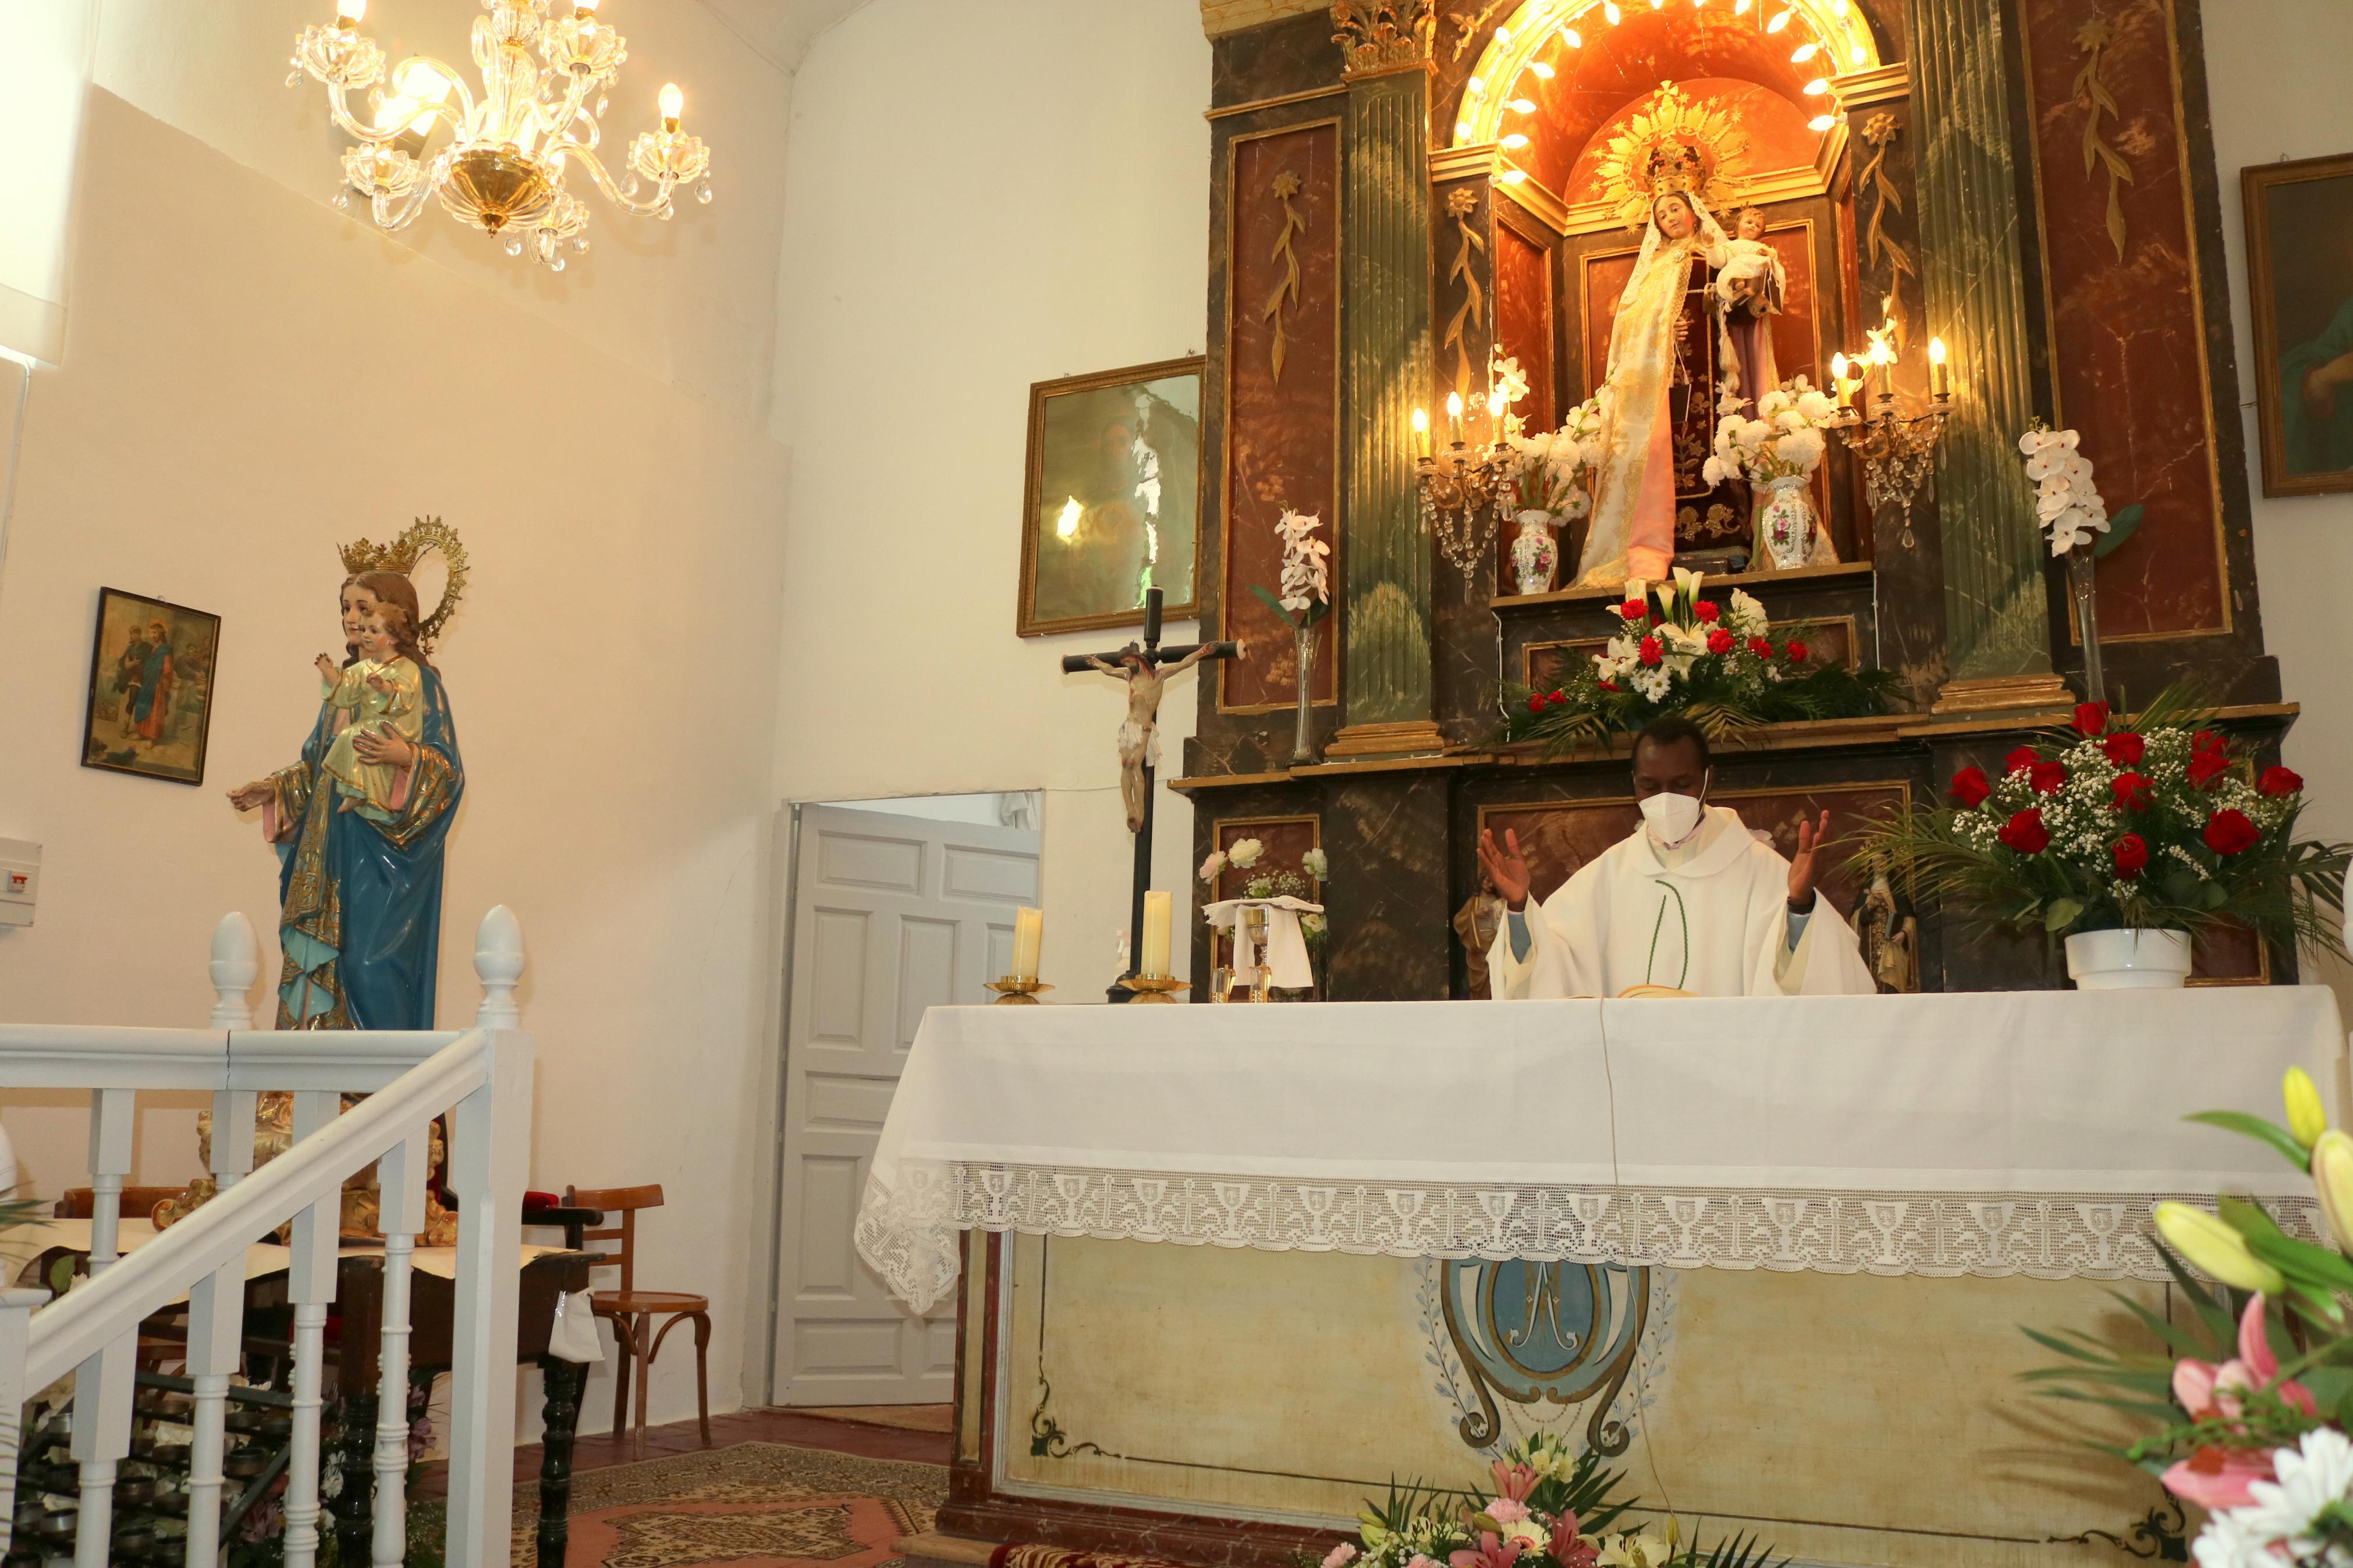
(20, 881)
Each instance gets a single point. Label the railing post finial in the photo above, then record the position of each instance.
(498, 960)
(236, 959)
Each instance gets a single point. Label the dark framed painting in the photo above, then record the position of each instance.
(2300, 275)
(1112, 505)
(151, 688)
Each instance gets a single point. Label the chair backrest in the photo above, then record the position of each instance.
(625, 1202)
(138, 1203)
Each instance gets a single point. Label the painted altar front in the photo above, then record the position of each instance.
(1228, 1273)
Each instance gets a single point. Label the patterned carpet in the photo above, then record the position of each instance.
(754, 1505)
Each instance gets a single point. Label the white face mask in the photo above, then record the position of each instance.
(1672, 818)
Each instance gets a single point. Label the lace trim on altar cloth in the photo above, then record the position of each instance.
(908, 1233)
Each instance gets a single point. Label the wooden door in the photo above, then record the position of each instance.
(891, 915)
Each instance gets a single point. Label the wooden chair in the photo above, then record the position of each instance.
(632, 1311)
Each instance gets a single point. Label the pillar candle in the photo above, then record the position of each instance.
(1029, 936)
(1155, 934)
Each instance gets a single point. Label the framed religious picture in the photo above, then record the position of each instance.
(1112, 505)
(2300, 274)
(151, 688)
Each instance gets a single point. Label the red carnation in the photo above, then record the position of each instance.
(1555, 696)
(1705, 611)
(2130, 853)
(1535, 702)
(2129, 792)
(2025, 832)
(2205, 767)
(2047, 778)
(1760, 648)
(1609, 686)
(1721, 641)
(2091, 718)
(1652, 651)
(2277, 782)
(1970, 787)
(2125, 749)
(1658, 618)
(1796, 651)
(2230, 832)
(1633, 609)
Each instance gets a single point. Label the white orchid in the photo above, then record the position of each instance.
(2067, 503)
(1244, 853)
(1306, 579)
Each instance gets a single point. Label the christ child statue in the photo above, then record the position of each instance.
(382, 686)
(1751, 273)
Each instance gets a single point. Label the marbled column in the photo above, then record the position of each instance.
(1996, 621)
(1386, 370)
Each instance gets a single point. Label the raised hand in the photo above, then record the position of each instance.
(1811, 839)
(327, 669)
(1506, 867)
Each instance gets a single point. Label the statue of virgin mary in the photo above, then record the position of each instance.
(1633, 530)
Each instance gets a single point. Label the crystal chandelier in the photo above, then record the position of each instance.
(502, 168)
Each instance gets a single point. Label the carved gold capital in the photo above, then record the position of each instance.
(1383, 34)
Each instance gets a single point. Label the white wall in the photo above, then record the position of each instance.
(974, 208)
(250, 378)
(2275, 72)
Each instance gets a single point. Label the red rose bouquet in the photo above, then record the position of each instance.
(2155, 825)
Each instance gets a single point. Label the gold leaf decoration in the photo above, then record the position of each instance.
(1380, 35)
(1880, 132)
(1460, 203)
(2093, 40)
(1674, 143)
(1287, 186)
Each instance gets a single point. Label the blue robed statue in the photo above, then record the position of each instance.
(361, 821)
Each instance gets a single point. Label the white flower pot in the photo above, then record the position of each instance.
(2129, 960)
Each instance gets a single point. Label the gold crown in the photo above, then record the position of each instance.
(1672, 143)
(427, 534)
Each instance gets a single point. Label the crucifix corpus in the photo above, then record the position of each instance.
(1145, 667)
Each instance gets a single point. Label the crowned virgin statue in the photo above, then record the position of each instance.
(360, 820)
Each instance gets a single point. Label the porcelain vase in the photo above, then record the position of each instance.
(1785, 524)
(2129, 960)
(1535, 555)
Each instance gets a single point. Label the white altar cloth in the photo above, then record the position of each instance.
(1991, 1133)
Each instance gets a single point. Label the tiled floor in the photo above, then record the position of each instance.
(743, 1427)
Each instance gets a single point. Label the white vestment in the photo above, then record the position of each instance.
(1712, 919)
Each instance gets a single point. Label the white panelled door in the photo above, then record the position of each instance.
(891, 915)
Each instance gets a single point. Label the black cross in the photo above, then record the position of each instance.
(1150, 650)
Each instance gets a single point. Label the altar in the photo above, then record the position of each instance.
(1223, 1275)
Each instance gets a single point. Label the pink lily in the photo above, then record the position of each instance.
(1570, 1549)
(1515, 1481)
(1492, 1553)
(2207, 1391)
(2220, 1477)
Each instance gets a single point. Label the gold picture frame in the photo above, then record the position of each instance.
(2299, 217)
(1092, 535)
(149, 710)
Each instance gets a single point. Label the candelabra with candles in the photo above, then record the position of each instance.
(1896, 448)
(1465, 491)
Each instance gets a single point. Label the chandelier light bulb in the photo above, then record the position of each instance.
(1740, 7)
(673, 103)
(1779, 22)
(1821, 122)
(1515, 177)
(1857, 53)
(1838, 367)
(1817, 87)
(1839, 8)
(1463, 130)
(1935, 351)
(1515, 141)
(1475, 87)
(1570, 35)
(585, 8)
(1609, 9)
(1522, 106)
(1454, 405)
(1503, 36)
(1804, 53)
(1421, 421)
(1495, 404)
(1881, 355)
(1543, 71)
(349, 12)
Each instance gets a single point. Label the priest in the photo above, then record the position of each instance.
(1690, 901)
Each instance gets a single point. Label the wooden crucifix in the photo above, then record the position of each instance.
(1145, 667)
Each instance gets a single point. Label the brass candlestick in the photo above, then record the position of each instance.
(1017, 989)
(1896, 451)
(1153, 988)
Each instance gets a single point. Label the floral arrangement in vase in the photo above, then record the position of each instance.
(2250, 1390)
(1552, 477)
(2077, 523)
(1543, 1504)
(1777, 452)
(1305, 884)
(1305, 599)
(2126, 839)
(1721, 664)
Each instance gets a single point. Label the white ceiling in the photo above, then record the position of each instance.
(783, 29)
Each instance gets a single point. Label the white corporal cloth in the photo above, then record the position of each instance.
(1999, 1132)
(1286, 944)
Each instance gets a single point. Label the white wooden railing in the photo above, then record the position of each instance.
(484, 1072)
